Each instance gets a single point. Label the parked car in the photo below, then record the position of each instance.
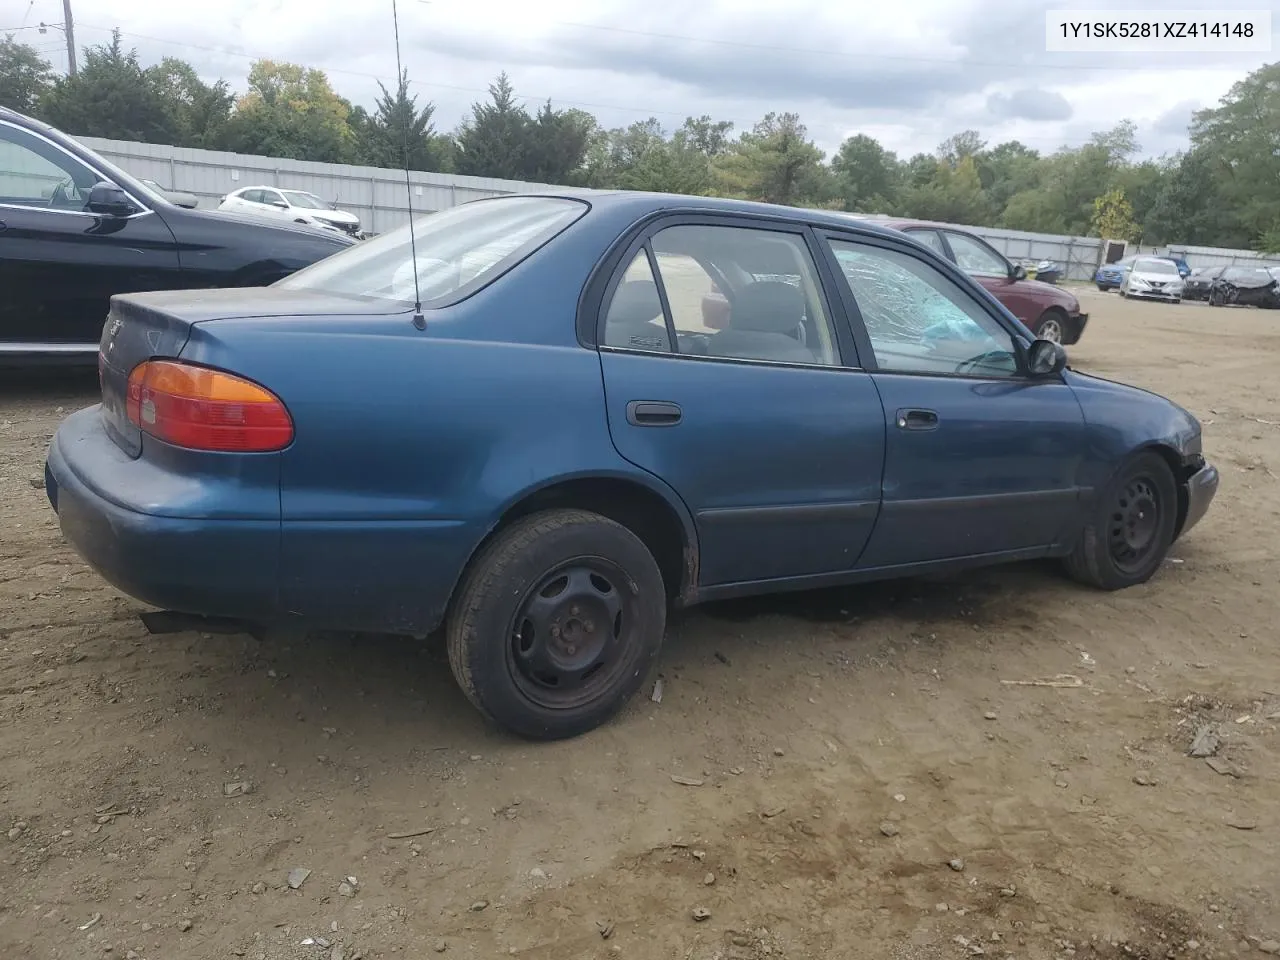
(1153, 278)
(74, 230)
(296, 205)
(554, 451)
(1110, 276)
(178, 198)
(1179, 261)
(1246, 287)
(1196, 285)
(1049, 312)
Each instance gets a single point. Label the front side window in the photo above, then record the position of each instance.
(34, 173)
(918, 320)
(974, 256)
(733, 292)
(472, 242)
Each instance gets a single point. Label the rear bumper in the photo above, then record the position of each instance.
(212, 567)
(376, 575)
(1200, 487)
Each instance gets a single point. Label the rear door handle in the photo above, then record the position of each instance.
(917, 419)
(653, 413)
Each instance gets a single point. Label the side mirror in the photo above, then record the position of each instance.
(1019, 272)
(1045, 358)
(109, 200)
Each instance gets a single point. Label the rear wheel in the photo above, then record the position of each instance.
(1128, 536)
(557, 624)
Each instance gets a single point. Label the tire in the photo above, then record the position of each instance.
(1122, 544)
(1101, 288)
(532, 599)
(1052, 325)
(1120, 290)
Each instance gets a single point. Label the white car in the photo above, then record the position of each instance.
(1154, 278)
(296, 205)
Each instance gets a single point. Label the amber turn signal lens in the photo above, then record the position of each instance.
(205, 409)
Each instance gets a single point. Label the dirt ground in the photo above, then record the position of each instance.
(849, 746)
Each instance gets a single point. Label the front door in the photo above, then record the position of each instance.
(980, 460)
(763, 425)
(60, 263)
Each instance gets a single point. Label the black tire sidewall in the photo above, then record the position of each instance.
(1154, 466)
(480, 626)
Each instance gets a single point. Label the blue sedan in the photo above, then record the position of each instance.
(530, 437)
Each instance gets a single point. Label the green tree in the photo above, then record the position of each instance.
(198, 111)
(776, 162)
(954, 149)
(291, 111)
(397, 120)
(952, 196)
(558, 144)
(1008, 169)
(1240, 138)
(1190, 206)
(110, 96)
(25, 76)
(1113, 217)
(867, 177)
(495, 141)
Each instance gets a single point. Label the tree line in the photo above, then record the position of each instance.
(1221, 191)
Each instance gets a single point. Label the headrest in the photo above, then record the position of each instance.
(634, 302)
(768, 306)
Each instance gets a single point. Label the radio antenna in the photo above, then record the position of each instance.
(419, 320)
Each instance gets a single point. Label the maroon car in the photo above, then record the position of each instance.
(1049, 312)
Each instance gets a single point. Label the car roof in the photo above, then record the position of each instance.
(641, 203)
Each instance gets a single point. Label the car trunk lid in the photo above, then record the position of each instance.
(146, 326)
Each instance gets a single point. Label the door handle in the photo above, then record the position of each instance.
(3, 226)
(653, 413)
(917, 419)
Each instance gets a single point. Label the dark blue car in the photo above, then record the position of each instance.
(558, 448)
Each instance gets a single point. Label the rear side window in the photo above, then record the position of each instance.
(464, 246)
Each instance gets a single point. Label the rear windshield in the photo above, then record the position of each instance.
(463, 246)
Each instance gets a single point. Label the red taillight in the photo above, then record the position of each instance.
(204, 409)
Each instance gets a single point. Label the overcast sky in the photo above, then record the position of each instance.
(908, 73)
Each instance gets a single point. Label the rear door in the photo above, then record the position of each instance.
(768, 428)
(60, 263)
(980, 460)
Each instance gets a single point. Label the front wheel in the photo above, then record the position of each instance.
(1050, 326)
(557, 624)
(1130, 530)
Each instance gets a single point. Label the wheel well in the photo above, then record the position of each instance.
(1179, 471)
(636, 507)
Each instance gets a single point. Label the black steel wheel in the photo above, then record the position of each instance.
(557, 623)
(570, 634)
(1131, 527)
